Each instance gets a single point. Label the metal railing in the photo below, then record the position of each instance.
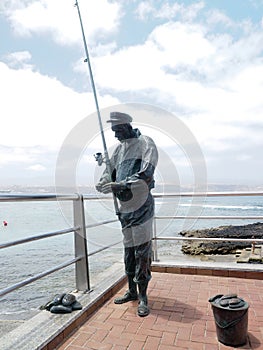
(200, 217)
(79, 227)
(80, 240)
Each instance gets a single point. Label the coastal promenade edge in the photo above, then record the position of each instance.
(46, 330)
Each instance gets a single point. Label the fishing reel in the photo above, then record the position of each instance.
(99, 158)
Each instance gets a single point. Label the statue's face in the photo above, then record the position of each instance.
(122, 131)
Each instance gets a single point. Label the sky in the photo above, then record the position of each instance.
(200, 61)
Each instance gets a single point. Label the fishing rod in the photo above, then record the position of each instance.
(87, 59)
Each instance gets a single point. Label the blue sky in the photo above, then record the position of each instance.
(200, 60)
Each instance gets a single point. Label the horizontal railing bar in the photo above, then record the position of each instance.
(41, 197)
(103, 248)
(48, 197)
(101, 223)
(207, 194)
(36, 238)
(96, 197)
(51, 234)
(187, 194)
(212, 239)
(210, 217)
(36, 197)
(38, 276)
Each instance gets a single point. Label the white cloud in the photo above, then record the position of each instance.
(144, 66)
(60, 19)
(147, 9)
(170, 46)
(15, 155)
(181, 44)
(19, 59)
(37, 167)
(185, 12)
(218, 75)
(191, 12)
(216, 16)
(144, 9)
(39, 110)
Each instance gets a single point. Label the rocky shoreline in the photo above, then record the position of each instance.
(249, 231)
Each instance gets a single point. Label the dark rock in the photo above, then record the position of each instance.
(62, 304)
(61, 309)
(221, 247)
(68, 299)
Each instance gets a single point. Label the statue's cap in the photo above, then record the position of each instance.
(119, 118)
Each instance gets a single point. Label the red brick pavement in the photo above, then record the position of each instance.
(181, 317)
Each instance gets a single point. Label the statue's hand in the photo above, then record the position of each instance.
(112, 187)
(99, 186)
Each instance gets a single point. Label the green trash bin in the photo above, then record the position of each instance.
(231, 319)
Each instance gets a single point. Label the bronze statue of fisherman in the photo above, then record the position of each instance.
(132, 165)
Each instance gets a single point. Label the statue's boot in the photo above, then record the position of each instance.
(143, 309)
(131, 294)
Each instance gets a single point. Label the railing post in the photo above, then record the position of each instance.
(80, 242)
(155, 252)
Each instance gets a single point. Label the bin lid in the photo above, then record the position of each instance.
(229, 301)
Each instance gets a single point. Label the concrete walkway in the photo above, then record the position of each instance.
(181, 316)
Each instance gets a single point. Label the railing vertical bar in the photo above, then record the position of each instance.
(155, 247)
(80, 243)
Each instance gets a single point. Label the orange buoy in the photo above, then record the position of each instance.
(5, 223)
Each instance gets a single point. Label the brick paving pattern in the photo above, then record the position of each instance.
(181, 317)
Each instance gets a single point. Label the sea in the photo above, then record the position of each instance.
(27, 219)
